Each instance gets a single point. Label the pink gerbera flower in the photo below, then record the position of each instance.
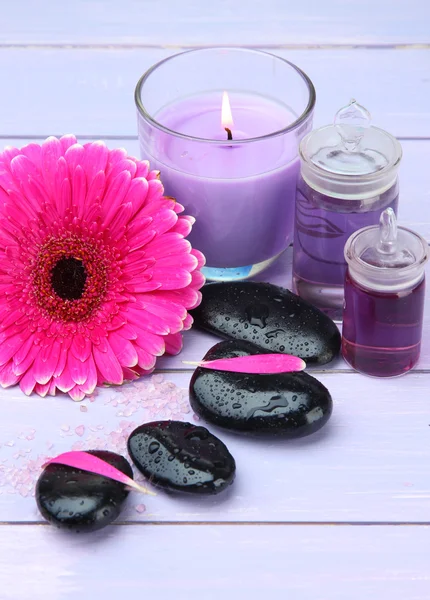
(96, 275)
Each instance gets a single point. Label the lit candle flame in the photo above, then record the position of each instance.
(226, 116)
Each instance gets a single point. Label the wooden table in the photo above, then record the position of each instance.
(341, 515)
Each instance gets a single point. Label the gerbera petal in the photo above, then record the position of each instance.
(81, 347)
(141, 239)
(74, 155)
(188, 321)
(23, 351)
(108, 365)
(137, 193)
(146, 359)
(78, 369)
(147, 321)
(169, 244)
(95, 193)
(67, 141)
(173, 343)
(142, 168)
(45, 362)
(10, 345)
(89, 386)
(42, 389)
(154, 344)
(64, 382)
(51, 153)
(184, 225)
(27, 383)
(169, 317)
(7, 376)
(171, 279)
(76, 394)
(79, 190)
(34, 153)
(124, 350)
(96, 156)
(114, 196)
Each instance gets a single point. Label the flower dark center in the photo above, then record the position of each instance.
(68, 278)
(71, 276)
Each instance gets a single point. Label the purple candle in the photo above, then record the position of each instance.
(242, 195)
(230, 155)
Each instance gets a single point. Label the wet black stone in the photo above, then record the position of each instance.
(271, 317)
(80, 501)
(291, 404)
(180, 456)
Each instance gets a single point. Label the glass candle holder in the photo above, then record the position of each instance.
(223, 127)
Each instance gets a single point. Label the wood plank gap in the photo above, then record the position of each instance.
(239, 523)
(311, 371)
(107, 136)
(137, 46)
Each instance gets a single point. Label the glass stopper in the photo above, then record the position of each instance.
(351, 122)
(387, 232)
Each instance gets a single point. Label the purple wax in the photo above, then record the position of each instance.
(242, 195)
(322, 226)
(381, 333)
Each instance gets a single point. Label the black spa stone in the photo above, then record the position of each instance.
(271, 317)
(80, 501)
(292, 404)
(181, 456)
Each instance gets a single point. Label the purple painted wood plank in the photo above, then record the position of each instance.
(212, 562)
(90, 92)
(224, 22)
(369, 464)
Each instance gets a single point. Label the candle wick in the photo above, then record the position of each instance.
(229, 135)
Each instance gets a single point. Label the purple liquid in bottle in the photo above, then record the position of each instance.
(384, 298)
(322, 226)
(348, 177)
(381, 333)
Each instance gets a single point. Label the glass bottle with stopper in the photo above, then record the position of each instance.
(348, 176)
(384, 298)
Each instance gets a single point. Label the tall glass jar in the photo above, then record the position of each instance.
(348, 177)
